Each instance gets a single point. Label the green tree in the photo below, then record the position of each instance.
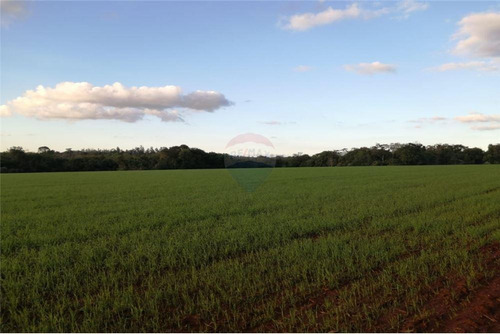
(493, 154)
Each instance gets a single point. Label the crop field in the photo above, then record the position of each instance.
(309, 249)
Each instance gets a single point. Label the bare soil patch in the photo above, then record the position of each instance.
(457, 309)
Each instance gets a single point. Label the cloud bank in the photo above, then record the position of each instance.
(482, 122)
(479, 35)
(306, 21)
(82, 100)
(478, 121)
(478, 117)
(487, 127)
(371, 68)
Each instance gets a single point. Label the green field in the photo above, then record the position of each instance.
(311, 249)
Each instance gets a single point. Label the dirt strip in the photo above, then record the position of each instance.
(476, 311)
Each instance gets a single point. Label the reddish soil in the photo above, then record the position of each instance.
(473, 311)
(454, 308)
(481, 314)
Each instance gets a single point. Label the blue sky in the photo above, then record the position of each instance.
(339, 74)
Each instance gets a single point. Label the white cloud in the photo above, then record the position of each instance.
(11, 10)
(305, 21)
(371, 68)
(471, 65)
(406, 7)
(429, 119)
(488, 122)
(4, 111)
(272, 123)
(487, 127)
(479, 35)
(421, 122)
(82, 100)
(478, 117)
(477, 121)
(277, 123)
(302, 68)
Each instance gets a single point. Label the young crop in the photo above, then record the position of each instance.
(310, 249)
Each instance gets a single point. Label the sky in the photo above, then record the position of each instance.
(310, 76)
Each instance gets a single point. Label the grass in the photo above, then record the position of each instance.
(310, 249)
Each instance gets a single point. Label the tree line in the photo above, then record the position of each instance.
(16, 160)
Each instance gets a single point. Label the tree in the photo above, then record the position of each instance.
(381, 155)
(357, 157)
(493, 154)
(43, 149)
(410, 154)
(18, 161)
(473, 156)
(325, 159)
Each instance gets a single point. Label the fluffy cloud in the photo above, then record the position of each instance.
(82, 100)
(479, 35)
(11, 10)
(4, 111)
(302, 68)
(305, 21)
(488, 122)
(471, 65)
(371, 68)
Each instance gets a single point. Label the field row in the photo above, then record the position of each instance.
(311, 249)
